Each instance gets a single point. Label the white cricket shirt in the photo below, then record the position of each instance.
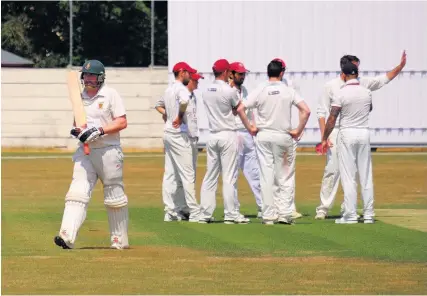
(101, 110)
(273, 101)
(332, 86)
(355, 102)
(175, 95)
(190, 117)
(219, 98)
(243, 95)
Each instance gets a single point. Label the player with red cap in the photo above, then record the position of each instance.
(190, 118)
(179, 168)
(247, 159)
(222, 152)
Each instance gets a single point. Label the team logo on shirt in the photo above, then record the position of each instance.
(100, 104)
(274, 92)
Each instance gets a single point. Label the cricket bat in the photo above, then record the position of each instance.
(77, 104)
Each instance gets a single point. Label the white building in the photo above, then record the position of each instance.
(311, 37)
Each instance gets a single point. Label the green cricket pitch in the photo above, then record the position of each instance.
(310, 257)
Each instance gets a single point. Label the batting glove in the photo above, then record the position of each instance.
(75, 132)
(90, 134)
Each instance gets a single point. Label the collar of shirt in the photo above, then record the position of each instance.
(100, 93)
(178, 82)
(220, 81)
(352, 82)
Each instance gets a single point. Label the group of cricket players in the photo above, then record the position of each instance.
(250, 131)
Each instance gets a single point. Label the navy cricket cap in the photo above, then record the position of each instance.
(349, 69)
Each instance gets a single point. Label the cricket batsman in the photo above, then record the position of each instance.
(106, 117)
(331, 174)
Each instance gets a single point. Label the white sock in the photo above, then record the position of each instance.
(74, 216)
(118, 219)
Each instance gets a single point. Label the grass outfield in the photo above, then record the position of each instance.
(311, 257)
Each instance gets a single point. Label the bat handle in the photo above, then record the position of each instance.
(86, 148)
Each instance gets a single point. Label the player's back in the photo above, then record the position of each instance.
(219, 98)
(355, 101)
(274, 106)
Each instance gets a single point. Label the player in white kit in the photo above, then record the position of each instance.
(222, 151)
(106, 117)
(179, 161)
(291, 84)
(247, 160)
(190, 117)
(273, 101)
(353, 103)
(331, 174)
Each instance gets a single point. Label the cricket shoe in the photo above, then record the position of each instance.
(194, 218)
(320, 216)
(239, 220)
(206, 221)
(169, 218)
(369, 221)
(117, 244)
(268, 222)
(346, 221)
(60, 242)
(296, 215)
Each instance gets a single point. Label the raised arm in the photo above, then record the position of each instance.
(393, 73)
(375, 83)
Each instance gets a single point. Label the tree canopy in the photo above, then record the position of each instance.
(116, 32)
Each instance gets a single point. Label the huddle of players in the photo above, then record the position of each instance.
(253, 132)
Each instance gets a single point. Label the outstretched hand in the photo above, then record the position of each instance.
(403, 59)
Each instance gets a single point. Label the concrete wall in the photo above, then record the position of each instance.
(36, 111)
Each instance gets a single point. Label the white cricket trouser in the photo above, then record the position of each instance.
(354, 155)
(276, 162)
(180, 203)
(248, 163)
(179, 164)
(222, 155)
(331, 177)
(107, 165)
(292, 172)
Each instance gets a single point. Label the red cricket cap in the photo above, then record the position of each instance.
(221, 65)
(238, 67)
(183, 66)
(282, 61)
(196, 76)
